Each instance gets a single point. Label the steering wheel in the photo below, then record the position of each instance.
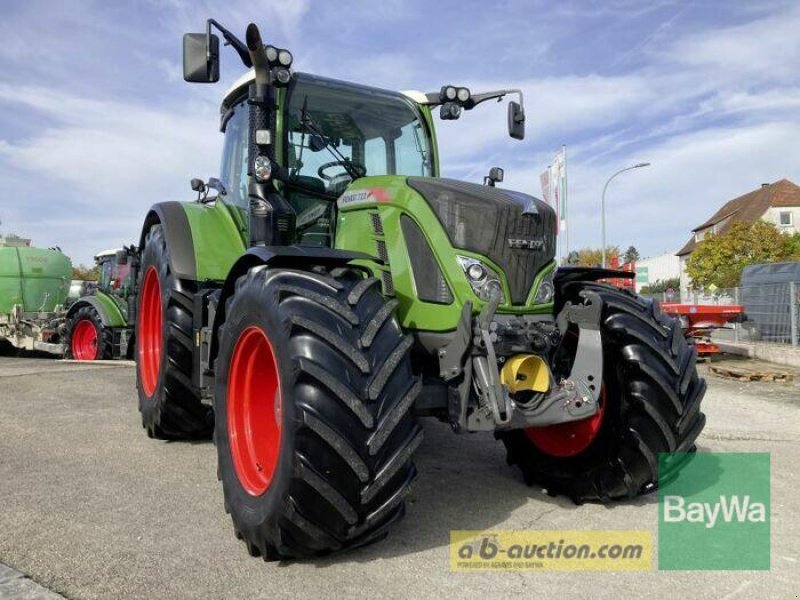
(361, 170)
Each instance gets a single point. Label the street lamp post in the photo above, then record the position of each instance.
(603, 203)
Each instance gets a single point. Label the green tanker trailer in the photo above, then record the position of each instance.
(33, 288)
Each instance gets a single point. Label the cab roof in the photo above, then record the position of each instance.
(240, 85)
(105, 253)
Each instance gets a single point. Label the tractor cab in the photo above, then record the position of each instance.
(116, 276)
(331, 133)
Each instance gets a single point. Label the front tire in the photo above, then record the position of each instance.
(170, 405)
(87, 338)
(650, 403)
(314, 430)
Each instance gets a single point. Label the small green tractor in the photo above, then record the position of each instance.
(330, 288)
(97, 323)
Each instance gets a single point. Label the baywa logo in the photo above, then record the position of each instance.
(729, 508)
(714, 511)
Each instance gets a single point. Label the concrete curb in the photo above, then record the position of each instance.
(780, 354)
(18, 586)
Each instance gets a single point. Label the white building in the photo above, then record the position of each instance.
(657, 268)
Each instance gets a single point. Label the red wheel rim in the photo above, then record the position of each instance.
(150, 332)
(568, 439)
(84, 340)
(254, 411)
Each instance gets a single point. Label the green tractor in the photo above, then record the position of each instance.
(97, 323)
(330, 288)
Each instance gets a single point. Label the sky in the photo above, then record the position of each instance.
(96, 123)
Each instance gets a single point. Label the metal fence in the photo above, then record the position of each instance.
(771, 311)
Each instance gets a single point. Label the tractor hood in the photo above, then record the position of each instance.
(515, 231)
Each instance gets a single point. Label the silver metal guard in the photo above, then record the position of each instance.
(571, 399)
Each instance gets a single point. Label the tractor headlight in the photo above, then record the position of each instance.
(283, 75)
(483, 280)
(285, 58)
(262, 168)
(476, 272)
(546, 290)
(449, 111)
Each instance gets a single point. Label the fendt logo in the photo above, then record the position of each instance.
(522, 244)
(729, 508)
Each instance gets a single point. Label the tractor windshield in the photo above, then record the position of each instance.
(338, 131)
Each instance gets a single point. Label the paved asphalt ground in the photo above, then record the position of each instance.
(91, 508)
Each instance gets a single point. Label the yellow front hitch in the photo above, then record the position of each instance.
(525, 373)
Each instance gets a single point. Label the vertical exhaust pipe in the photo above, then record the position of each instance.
(272, 218)
(258, 56)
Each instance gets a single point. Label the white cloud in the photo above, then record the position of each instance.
(108, 160)
(766, 48)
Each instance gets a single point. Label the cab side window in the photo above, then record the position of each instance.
(233, 170)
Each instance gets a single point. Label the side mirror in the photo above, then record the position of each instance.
(516, 121)
(198, 185)
(200, 58)
(216, 184)
(495, 176)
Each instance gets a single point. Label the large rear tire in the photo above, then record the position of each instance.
(170, 405)
(650, 403)
(313, 398)
(87, 338)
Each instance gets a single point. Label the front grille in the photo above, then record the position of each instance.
(521, 265)
(483, 219)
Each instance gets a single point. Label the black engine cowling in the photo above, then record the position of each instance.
(514, 230)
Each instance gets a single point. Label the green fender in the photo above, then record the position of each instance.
(106, 307)
(204, 239)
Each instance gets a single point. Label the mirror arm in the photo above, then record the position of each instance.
(433, 98)
(499, 94)
(230, 40)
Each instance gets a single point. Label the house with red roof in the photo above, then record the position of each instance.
(777, 203)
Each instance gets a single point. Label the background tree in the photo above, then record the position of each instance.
(631, 254)
(719, 259)
(85, 273)
(661, 286)
(593, 257)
